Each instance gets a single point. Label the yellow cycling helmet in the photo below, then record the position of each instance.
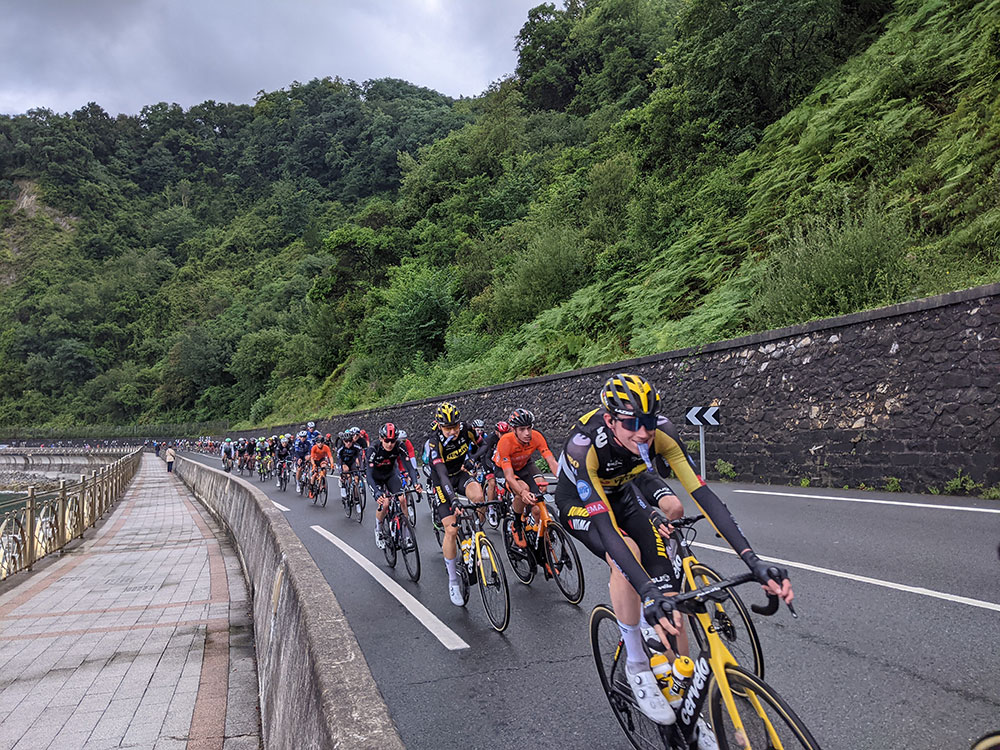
(447, 413)
(629, 396)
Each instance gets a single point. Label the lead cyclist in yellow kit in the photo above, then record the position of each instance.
(607, 497)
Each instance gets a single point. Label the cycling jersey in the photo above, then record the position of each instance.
(600, 480)
(512, 452)
(349, 455)
(447, 460)
(300, 447)
(227, 450)
(382, 468)
(320, 453)
(485, 453)
(311, 436)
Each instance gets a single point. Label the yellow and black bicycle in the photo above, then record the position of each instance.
(478, 559)
(745, 712)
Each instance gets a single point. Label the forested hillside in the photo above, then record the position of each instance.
(651, 175)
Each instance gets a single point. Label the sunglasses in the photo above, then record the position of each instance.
(388, 440)
(632, 424)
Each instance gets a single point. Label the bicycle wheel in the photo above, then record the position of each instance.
(732, 622)
(463, 576)
(521, 561)
(360, 498)
(767, 720)
(493, 584)
(411, 507)
(324, 490)
(408, 546)
(609, 656)
(989, 742)
(563, 562)
(347, 498)
(390, 534)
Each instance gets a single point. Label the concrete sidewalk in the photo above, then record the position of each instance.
(140, 637)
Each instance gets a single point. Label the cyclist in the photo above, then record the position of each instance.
(450, 452)
(607, 496)
(321, 458)
(242, 450)
(383, 476)
(228, 451)
(349, 456)
(312, 433)
(362, 438)
(300, 449)
(484, 457)
(281, 453)
(513, 456)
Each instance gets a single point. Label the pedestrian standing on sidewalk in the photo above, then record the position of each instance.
(169, 456)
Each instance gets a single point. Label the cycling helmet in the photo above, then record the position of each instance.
(311, 425)
(354, 431)
(402, 434)
(447, 413)
(284, 439)
(629, 396)
(229, 440)
(302, 433)
(320, 440)
(479, 424)
(521, 418)
(388, 431)
(328, 436)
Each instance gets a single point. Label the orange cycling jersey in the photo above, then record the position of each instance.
(511, 451)
(320, 452)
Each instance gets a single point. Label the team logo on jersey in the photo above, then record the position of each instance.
(597, 508)
(584, 489)
(581, 439)
(601, 438)
(579, 524)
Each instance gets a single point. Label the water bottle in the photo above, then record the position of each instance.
(663, 671)
(682, 671)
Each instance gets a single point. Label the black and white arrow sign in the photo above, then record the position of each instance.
(702, 415)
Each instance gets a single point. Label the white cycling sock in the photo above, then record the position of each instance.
(632, 635)
(452, 572)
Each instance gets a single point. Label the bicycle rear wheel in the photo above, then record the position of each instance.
(411, 507)
(564, 562)
(609, 655)
(732, 622)
(324, 491)
(493, 584)
(768, 721)
(362, 494)
(520, 559)
(390, 535)
(408, 546)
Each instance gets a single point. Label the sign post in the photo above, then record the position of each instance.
(701, 416)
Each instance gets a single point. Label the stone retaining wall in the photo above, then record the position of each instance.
(908, 391)
(316, 690)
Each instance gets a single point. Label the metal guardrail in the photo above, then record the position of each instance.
(181, 429)
(40, 524)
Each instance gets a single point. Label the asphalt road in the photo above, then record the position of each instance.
(904, 655)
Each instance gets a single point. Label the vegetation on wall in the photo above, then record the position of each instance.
(652, 175)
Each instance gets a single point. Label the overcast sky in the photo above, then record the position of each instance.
(125, 54)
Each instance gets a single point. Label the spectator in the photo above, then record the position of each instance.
(169, 456)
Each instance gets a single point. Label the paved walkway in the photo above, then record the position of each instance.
(138, 638)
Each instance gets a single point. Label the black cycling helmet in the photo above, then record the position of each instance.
(388, 431)
(320, 440)
(447, 413)
(630, 396)
(521, 418)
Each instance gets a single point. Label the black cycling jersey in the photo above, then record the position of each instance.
(484, 454)
(382, 462)
(349, 455)
(596, 476)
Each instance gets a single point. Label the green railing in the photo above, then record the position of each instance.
(40, 524)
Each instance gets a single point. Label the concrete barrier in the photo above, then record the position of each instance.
(316, 690)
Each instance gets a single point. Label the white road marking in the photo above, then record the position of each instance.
(865, 579)
(448, 637)
(281, 507)
(874, 502)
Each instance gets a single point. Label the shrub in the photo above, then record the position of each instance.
(962, 484)
(725, 469)
(804, 482)
(892, 484)
(993, 493)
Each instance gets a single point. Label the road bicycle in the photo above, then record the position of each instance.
(399, 537)
(227, 463)
(546, 545)
(353, 495)
(283, 472)
(412, 498)
(478, 559)
(305, 475)
(318, 486)
(745, 712)
(729, 616)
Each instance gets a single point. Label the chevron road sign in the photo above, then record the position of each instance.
(703, 415)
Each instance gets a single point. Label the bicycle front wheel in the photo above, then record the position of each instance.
(408, 546)
(493, 584)
(324, 491)
(359, 500)
(520, 559)
(563, 562)
(347, 498)
(609, 656)
(768, 722)
(411, 507)
(731, 620)
(390, 536)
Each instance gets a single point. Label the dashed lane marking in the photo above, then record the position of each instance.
(280, 507)
(865, 579)
(873, 502)
(448, 637)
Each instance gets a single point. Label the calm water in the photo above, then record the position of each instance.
(6, 499)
